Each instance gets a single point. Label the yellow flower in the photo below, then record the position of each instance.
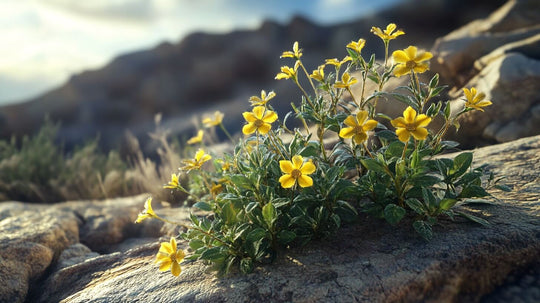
(296, 171)
(288, 72)
(408, 60)
(148, 212)
(346, 81)
(411, 124)
(357, 46)
(336, 62)
(216, 120)
(387, 35)
(318, 74)
(197, 162)
(225, 165)
(296, 53)
(357, 127)
(173, 183)
(475, 100)
(263, 99)
(216, 189)
(259, 120)
(170, 257)
(197, 139)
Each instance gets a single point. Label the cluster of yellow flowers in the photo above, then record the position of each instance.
(296, 171)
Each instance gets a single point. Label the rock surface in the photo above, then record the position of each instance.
(465, 262)
(500, 56)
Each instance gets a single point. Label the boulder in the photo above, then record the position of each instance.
(500, 56)
(465, 262)
(455, 53)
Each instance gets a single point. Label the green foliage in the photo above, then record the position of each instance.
(37, 169)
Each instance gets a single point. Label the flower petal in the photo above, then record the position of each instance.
(165, 248)
(287, 181)
(411, 52)
(165, 265)
(359, 138)
(419, 133)
(297, 161)
(264, 129)
(249, 129)
(249, 116)
(423, 57)
(286, 166)
(346, 133)
(270, 116)
(403, 134)
(175, 269)
(308, 168)
(305, 181)
(420, 68)
(422, 120)
(369, 125)
(401, 70)
(361, 117)
(400, 56)
(399, 122)
(409, 115)
(173, 245)
(350, 121)
(258, 112)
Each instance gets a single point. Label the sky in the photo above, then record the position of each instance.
(46, 41)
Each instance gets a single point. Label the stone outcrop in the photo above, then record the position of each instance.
(66, 253)
(500, 56)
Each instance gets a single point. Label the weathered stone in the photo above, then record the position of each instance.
(455, 54)
(511, 82)
(369, 262)
(32, 237)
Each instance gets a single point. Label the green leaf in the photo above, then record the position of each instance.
(246, 265)
(434, 81)
(446, 204)
(241, 181)
(430, 199)
(473, 191)
(462, 162)
(373, 165)
(345, 211)
(503, 187)
(256, 234)
(195, 244)
(394, 213)
(286, 236)
(473, 218)
(478, 201)
(228, 213)
(203, 206)
(416, 205)
(269, 214)
(213, 254)
(424, 229)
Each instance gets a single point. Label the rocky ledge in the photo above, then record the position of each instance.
(90, 251)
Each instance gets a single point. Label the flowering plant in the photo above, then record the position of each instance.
(272, 193)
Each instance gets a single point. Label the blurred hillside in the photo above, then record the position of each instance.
(207, 72)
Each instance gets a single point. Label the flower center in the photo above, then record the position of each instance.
(296, 173)
(410, 127)
(172, 256)
(411, 64)
(258, 123)
(358, 129)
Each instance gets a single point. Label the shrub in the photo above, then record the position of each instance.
(271, 193)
